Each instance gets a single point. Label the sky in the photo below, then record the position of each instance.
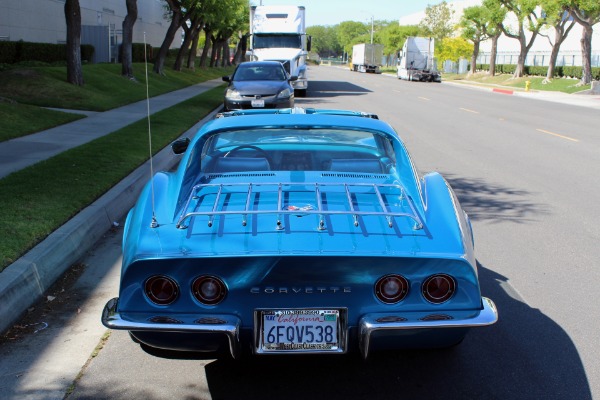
(332, 12)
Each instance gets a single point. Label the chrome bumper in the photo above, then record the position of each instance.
(230, 325)
(225, 324)
(370, 323)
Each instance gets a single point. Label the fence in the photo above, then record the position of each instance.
(540, 58)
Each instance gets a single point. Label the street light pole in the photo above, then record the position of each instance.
(371, 29)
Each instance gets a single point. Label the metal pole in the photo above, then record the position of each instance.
(371, 29)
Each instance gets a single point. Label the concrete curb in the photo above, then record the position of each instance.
(24, 282)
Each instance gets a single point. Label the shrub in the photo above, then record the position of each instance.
(137, 52)
(50, 53)
(8, 52)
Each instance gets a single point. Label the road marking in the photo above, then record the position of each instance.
(471, 111)
(556, 134)
(423, 98)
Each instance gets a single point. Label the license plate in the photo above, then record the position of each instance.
(300, 331)
(258, 103)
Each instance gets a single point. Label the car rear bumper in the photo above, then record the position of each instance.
(371, 328)
(399, 323)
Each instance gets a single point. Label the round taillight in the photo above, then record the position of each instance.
(161, 290)
(209, 290)
(438, 288)
(391, 289)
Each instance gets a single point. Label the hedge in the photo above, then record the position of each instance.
(559, 71)
(16, 52)
(137, 52)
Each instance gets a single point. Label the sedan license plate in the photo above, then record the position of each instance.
(258, 103)
(300, 330)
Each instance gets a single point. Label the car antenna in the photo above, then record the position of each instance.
(154, 223)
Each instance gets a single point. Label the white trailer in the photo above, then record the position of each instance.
(416, 61)
(278, 33)
(367, 57)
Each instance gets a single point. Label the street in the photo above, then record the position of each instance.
(525, 170)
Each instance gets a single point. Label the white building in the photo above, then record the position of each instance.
(43, 21)
(508, 49)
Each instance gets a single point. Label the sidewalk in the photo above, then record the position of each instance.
(577, 99)
(25, 281)
(22, 152)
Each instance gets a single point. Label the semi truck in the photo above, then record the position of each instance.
(416, 60)
(367, 57)
(278, 33)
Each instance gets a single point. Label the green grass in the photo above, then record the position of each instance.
(556, 85)
(104, 86)
(20, 119)
(37, 200)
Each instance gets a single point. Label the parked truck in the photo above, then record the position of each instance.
(367, 57)
(416, 61)
(278, 33)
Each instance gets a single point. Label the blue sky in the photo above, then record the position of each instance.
(331, 12)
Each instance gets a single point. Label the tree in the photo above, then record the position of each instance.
(73, 18)
(455, 49)
(348, 31)
(527, 12)
(177, 18)
(393, 37)
(126, 52)
(438, 21)
(475, 23)
(325, 40)
(562, 23)
(497, 15)
(587, 14)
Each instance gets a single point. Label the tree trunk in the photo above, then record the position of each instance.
(493, 54)
(559, 38)
(191, 60)
(126, 51)
(176, 21)
(187, 40)
(474, 57)
(216, 51)
(207, 43)
(586, 53)
(240, 52)
(73, 18)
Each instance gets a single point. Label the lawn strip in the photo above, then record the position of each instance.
(37, 200)
(21, 119)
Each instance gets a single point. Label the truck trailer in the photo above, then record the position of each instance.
(278, 33)
(366, 57)
(416, 61)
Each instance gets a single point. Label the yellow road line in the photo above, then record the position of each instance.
(556, 134)
(423, 98)
(471, 111)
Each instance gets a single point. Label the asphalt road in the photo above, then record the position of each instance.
(527, 173)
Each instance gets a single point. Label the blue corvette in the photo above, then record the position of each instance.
(297, 231)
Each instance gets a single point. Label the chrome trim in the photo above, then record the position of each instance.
(281, 188)
(369, 324)
(342, 331)
(230, 325)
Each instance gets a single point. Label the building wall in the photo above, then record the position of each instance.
(44, 20)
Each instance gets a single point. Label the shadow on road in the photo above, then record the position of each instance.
(494, 203)
(319, 89)
(525, 355)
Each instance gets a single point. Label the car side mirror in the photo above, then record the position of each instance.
(180, 145)
(226, 79)
(292, 78)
